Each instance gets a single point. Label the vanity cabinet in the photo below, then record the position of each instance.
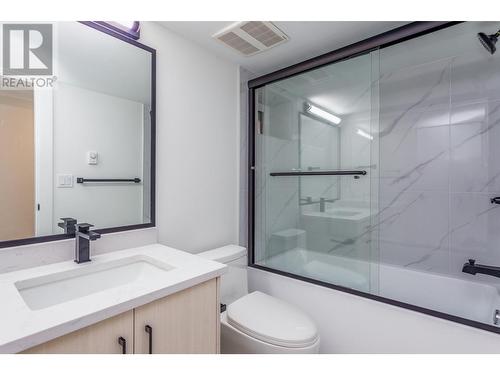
(184, 322)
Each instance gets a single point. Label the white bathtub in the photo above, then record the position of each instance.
(460, 297)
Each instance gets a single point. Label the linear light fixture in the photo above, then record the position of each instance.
(364, 134)
(130, 29)
(316, 111)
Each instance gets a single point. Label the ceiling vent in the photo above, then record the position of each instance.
(251, 37)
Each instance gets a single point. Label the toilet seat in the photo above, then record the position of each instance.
(271, 320)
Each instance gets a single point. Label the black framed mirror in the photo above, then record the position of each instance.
(76, 140)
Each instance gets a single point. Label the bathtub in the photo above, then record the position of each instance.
(464, 298)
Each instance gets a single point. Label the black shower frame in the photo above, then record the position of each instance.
(398, 35)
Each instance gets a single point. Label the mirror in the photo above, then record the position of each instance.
(319, 149)
(79, 141)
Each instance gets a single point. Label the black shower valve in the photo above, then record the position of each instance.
(495, 200)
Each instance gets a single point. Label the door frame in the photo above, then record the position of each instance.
(43, 110)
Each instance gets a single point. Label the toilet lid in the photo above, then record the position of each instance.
(271, 320)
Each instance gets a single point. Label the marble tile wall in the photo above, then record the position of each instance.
(439, 155)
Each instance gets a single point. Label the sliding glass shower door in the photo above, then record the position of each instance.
(316, 155)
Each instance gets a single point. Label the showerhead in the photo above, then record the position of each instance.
(489, 41)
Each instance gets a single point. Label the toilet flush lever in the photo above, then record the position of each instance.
(495, 200)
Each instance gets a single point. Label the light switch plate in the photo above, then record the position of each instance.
(64, 180)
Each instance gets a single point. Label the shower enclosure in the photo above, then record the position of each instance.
(372, 170)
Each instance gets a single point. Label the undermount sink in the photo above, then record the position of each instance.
(49, 290)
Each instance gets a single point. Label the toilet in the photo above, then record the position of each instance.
(256, 322)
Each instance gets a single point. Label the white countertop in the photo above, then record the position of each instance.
(22, 327)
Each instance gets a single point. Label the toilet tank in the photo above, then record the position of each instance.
(234, 282)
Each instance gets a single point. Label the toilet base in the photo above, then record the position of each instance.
(234, 341)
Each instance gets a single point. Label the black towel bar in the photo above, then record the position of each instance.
(81, 180)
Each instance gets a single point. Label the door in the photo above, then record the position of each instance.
(186, 322)
(315, 162)
(17, 165)
(111, 336)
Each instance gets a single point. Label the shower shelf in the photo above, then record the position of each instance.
(319, 173)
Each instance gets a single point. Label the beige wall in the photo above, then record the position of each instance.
(17, 164)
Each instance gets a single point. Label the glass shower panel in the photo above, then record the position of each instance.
(316, 154)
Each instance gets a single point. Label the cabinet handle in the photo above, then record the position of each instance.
(149, 330)
(123, 343)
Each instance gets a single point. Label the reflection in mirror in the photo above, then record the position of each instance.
(93, 122)
(319, 143)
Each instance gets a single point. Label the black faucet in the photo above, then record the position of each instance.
(322, 203)
(83, 237)
(473, 268)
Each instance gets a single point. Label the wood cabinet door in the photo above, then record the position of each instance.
(99, 338)
(184, 322)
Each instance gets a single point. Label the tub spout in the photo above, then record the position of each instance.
(473, 268)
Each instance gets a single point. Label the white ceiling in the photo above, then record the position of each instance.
(307, 39)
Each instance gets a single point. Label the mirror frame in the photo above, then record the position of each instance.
(58, 237)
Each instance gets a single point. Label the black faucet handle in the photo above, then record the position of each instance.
(83, 227)
(472, 262)
(68, 225)
(94, 235)
(68, 220)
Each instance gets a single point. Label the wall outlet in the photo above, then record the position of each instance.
(64, 180)
(92, 157)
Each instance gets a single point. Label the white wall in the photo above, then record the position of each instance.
(85, 120)
(197, 143)
(352, 324)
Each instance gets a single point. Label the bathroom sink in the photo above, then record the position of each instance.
(49, 290)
